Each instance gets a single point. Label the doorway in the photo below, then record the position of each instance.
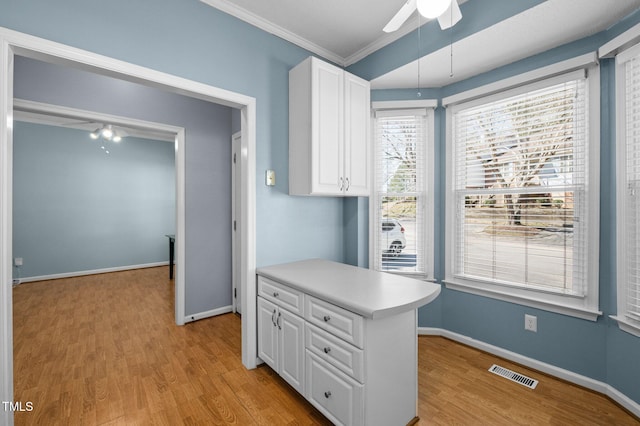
(14, 43)
(102, 188)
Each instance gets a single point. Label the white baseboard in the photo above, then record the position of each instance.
(91, 272)
(578, 379)
(207, 314)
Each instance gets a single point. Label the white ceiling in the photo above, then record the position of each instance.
(345, 31)
(342, 31)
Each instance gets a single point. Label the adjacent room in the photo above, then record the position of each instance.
(408, 212)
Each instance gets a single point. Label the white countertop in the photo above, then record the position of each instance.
(369, 293)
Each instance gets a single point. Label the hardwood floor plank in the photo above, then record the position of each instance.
(104, 350)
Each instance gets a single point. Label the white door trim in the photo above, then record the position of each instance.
(236, 230)
(6, 237)
(12, 43)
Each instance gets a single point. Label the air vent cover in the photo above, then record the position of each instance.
(513, 376)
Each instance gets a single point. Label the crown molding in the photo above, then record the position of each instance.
(410, 25)
(259, 22)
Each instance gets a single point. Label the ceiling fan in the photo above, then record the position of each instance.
(447, 12)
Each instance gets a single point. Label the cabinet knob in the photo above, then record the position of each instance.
(327, 394)
(327, 350)
(326, 318)
(276, 294)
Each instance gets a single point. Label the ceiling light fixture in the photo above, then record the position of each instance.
(431, 9)
(106, 133)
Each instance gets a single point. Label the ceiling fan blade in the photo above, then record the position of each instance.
(451, 16)
(400, 17)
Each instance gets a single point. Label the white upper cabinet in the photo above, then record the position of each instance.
(357, 152)
(328, 131)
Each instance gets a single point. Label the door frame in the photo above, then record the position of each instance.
(236, 230)
(16, 43)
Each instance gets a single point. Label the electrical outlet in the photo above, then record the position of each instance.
(17, 261)
(531, 323)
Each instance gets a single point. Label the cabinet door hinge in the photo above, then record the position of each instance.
(235, 293)
(234, 225)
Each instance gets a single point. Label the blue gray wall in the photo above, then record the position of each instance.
(208, 169)
(598, 350)
(76, 208)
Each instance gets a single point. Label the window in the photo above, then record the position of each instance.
(402, 206)
(628, 192)
(521, 196)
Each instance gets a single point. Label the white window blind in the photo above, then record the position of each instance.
(520, 188)
(400, 225)
(630, 234)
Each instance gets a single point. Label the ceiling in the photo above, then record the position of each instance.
(345, 31)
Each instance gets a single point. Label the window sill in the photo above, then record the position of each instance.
(526, 300)
(419, 277)
(627, 325)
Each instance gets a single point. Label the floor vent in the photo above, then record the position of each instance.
(513, 376)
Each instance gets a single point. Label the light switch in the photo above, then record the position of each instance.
(270, 178)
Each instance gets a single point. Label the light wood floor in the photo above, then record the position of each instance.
(104, 349)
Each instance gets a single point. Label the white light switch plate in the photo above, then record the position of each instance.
(270, 178)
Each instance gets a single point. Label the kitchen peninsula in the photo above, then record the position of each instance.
(344, 337)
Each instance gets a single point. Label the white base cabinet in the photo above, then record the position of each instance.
(353, 369)
(281, 342)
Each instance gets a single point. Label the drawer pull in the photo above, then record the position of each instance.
(276, 294)
(326, 318)
(327, 394)
(327, 350)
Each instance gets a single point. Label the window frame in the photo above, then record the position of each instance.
(586, 307)
(625, 323)
(429, 106)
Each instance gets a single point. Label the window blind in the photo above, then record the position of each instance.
(400, 191)
(520, 186)
(632, 183)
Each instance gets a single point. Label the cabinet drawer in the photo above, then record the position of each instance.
(336, 395)
(337, 321)
(281, 295)
(342, 355)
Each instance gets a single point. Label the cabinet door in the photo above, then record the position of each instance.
(357, 152)
(327, 94)
(291, 349)
(267, 333)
